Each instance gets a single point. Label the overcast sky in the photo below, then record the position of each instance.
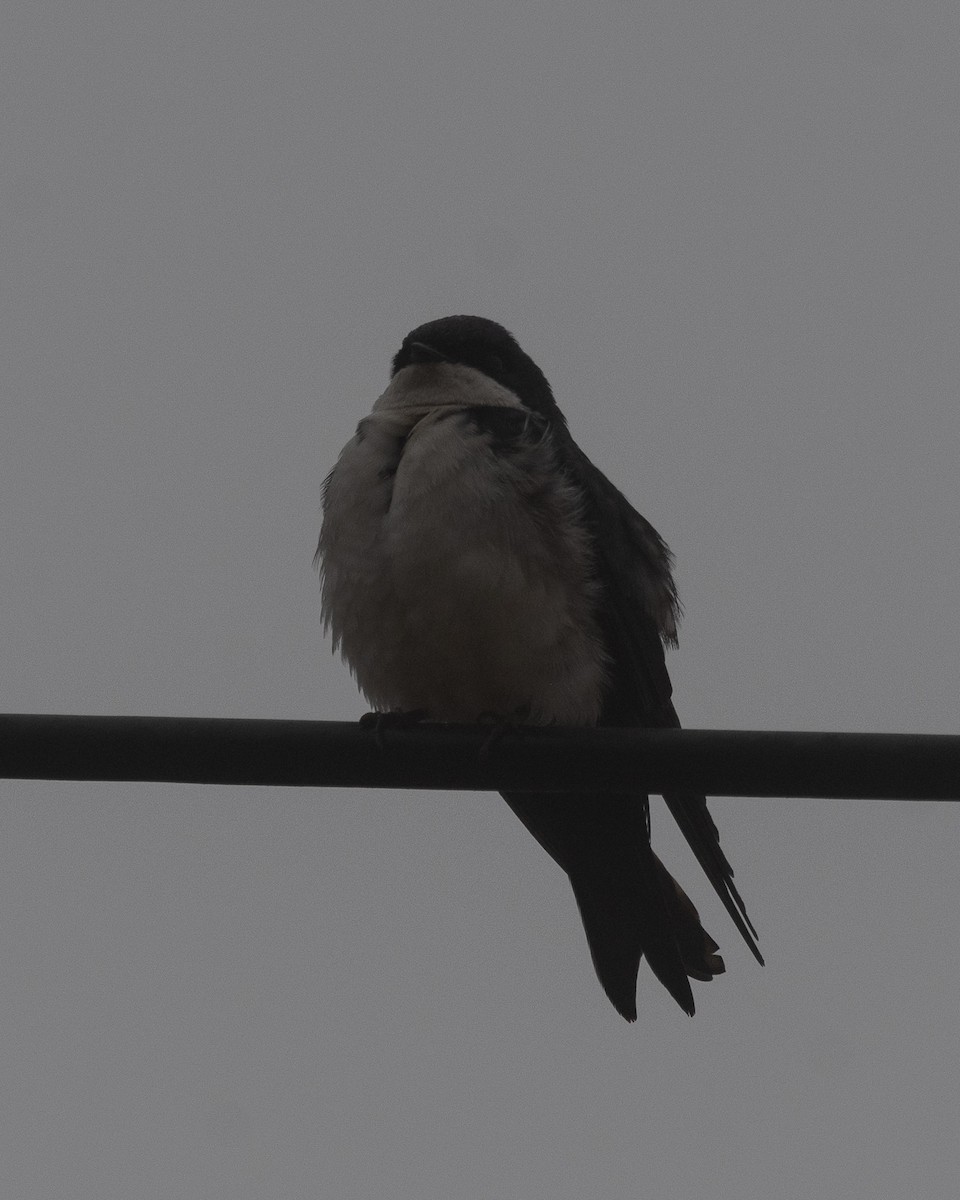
(730, 235)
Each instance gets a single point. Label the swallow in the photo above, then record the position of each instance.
(474, 561)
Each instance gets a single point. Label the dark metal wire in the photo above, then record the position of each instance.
(342, 754)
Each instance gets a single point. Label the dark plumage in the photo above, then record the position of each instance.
(529, 474)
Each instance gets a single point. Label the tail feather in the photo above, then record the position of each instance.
(698, 950)
(629, 903)
(643, 912)
(614, 945)
(697, 826)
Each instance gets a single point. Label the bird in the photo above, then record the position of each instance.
(473, 561)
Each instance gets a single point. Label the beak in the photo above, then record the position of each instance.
(420, 352)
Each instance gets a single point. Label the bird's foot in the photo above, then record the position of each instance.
(500, 726)
(380, 722)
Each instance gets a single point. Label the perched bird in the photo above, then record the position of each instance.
(474, 561)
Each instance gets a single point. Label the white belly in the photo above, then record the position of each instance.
(459, 585)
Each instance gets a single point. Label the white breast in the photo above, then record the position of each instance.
(460, 583)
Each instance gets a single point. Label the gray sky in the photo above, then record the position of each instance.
(729, 234)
